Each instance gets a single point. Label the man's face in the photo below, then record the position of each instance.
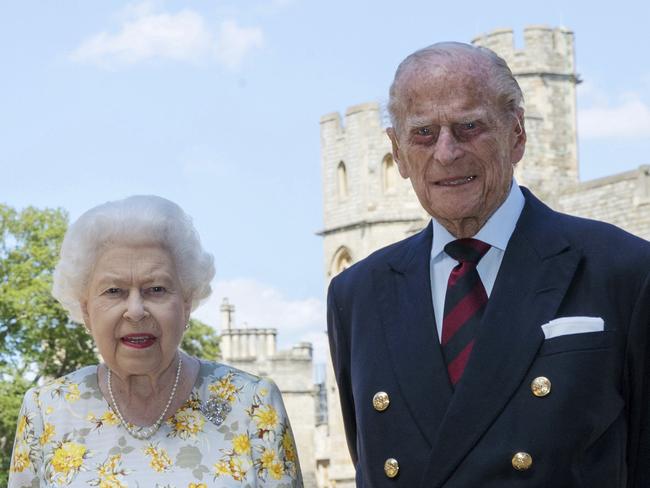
(454, 142)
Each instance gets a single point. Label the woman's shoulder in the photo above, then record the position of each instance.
(69, 387)
(225, 380)
(212, 371)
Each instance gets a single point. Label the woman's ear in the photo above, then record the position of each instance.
(84, 313)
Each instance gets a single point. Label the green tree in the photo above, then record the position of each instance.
(36, 335)
(201, 341)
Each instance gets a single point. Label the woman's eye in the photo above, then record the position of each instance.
(113, 291)
(157, 290)
(424, 131)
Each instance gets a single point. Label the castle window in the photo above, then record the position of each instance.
(341, 261)
(389, 173)
(342, 175)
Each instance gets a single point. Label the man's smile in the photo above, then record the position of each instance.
(456, 181)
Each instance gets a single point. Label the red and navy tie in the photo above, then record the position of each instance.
(465, 302)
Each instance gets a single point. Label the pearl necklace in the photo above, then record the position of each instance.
(143, 433)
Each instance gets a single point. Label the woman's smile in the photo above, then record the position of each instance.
(138, 341)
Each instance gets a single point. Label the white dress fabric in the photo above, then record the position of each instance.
(68, 436)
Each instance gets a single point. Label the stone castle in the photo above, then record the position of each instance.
(367, 206)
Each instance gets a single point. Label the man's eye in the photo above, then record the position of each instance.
(468, 125)
(157, 290)
(113, 291)
(424, 131)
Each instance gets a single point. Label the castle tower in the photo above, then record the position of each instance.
(545, 70)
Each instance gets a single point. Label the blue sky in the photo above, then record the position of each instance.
(216, 105)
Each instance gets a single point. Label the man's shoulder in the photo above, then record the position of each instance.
(588, 232)
(590, 236)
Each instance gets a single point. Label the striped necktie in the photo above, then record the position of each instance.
(465, 302)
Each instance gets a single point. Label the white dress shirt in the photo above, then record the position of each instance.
(496, 232)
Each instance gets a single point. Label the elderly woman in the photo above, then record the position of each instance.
(149, 415)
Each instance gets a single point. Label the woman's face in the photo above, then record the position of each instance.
(135, 309)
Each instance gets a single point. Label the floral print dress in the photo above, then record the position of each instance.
(233, 431)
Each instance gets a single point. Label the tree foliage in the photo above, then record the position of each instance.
(36, 334)
(201, 341)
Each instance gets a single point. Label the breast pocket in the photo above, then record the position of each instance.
(605, 339)
(584, 372)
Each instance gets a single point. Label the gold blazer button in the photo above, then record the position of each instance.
(522, 461)
(380, 401)
(391, 467)
(541, 386)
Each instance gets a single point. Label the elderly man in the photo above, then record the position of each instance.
(506, 345)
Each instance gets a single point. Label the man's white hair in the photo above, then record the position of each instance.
(137, 220)
(504, 84)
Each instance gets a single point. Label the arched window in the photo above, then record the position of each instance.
(389, 173)
(342, 176)
(341, 261)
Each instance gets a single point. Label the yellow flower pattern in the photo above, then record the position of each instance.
(224, 388)
(289, 446)
(110, 474)
(188, 421)
(266, 418)
(67, 435)
(66, 461)
(276, 470)
(241, 444)
(46, 436)
(23, 422)
(272, 460)
(160, 460)
(20, 461)
(73, 393)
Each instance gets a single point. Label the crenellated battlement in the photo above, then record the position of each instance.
(546, 51)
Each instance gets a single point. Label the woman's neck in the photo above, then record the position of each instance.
(142, 398)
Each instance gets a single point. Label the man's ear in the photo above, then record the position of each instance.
(519, 139)
(392, 135)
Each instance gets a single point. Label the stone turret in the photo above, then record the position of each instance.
(545, 70)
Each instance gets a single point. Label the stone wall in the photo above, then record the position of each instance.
(623, 200)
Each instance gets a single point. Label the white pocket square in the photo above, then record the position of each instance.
(572, 325)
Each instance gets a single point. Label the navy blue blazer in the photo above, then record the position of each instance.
(591, 431)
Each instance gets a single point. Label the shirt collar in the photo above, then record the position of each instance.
(497, 230)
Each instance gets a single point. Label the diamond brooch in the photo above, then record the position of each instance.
(215, 410)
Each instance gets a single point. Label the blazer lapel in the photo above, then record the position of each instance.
(536, 270)
(404, 292)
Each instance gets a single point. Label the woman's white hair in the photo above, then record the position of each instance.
(136, 220)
